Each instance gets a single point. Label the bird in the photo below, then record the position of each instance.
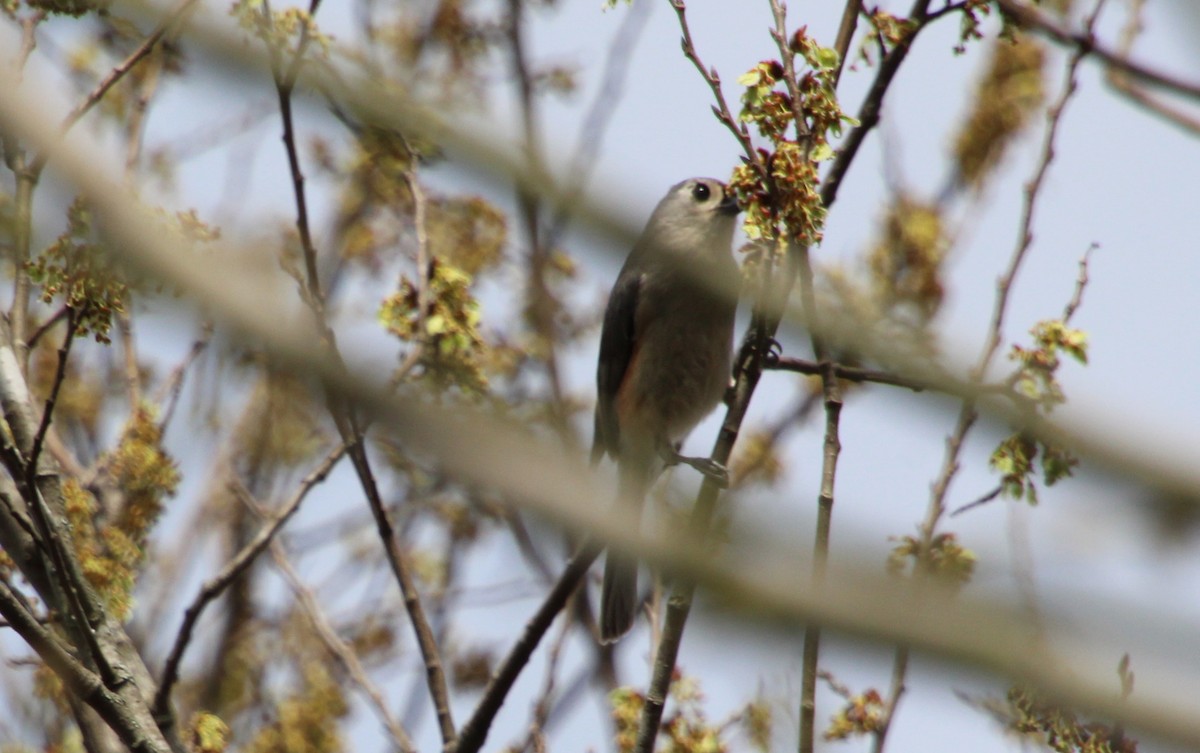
(665, 358)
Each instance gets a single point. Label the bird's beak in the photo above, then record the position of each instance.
(728, 204)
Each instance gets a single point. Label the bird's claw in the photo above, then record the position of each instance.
(715, 471)
(711, 469)
(707, 466)
(773, 351)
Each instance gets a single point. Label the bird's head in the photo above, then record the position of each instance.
(695, 217)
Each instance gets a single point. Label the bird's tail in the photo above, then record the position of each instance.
(619, 593)
(618, 597)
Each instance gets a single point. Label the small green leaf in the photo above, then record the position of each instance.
(827, 58)
(750, 77)
(821, 152)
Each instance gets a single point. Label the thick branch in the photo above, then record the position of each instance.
(872, 106)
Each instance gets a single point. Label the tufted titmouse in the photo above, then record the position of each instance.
(664, 357)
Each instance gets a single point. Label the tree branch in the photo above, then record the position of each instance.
(215, 586)
(1085, 44)
(868, 112)
(845, 33)
(474, 731)
(343, 414)
(342, 651)
(721, 109)
(114, 708)
(60, 375)
(967, 415)
(115, 75)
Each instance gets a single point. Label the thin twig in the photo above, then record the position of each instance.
(536, 738)
(872, 106)
(421, 281)
(710, 76)
(1085, 44)
(979, 502)
(1123, 85)
(402, 570)
(343, 415)
(1080, 285)
(285, 81)
(846, 34)
(233, 569)
(474, 732)
(116, 74)
(135, 128)
(340, 649)
(540, 303)
(942, 383)
(44, 328)
(1173, 115)
(60, 376)
(968, 413)
(29, 26)
(172, 388)
(133, 376)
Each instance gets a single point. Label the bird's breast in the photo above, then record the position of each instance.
(681, 367)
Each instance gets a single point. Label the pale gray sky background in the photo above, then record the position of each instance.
(1122, 179)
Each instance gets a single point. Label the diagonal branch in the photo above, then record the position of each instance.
(968, 414)
(1123, 85)
(216, 585)
(474, 731)
(285, 82)
(1085, 44)
(341, 650)
(845, 33)
(872, 106)
(402, 571)
(60, 375)
(116, 74)
(721, 109)
(343, 414)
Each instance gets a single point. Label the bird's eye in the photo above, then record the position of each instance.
(701, 192)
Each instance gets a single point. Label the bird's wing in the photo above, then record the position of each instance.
(617, 346)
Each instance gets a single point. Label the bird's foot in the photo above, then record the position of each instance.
(773, 351)
(707, 466)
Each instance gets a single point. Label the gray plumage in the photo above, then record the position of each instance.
(665, 352)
